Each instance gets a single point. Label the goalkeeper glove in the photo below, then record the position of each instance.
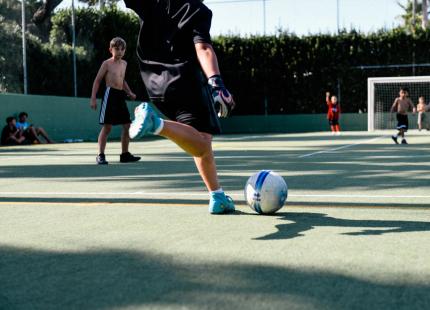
(223, 100)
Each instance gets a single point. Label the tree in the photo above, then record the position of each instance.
(10, 32)
(47, 6)
(415, 16)
(425, 14)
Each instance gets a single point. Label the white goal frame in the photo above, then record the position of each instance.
(371, 82)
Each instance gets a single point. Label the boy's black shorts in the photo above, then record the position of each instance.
(114, 109)
(402, 121)
(333, 122)
(29, 135)
(191, 106)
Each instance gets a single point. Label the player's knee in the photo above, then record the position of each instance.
(205, 149)
(202, 153)
(107, 128)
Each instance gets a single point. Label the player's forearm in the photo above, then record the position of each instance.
(95, 89)
(207, 59)
(126, 88)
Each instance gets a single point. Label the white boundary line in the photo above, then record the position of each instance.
(195, 194)
(342, 147)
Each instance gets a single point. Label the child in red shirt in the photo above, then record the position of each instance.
(333, 113)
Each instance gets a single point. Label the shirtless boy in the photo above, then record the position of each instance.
(422, 108)
(114, 109)
(402, 105)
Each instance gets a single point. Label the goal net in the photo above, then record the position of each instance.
(381, 93)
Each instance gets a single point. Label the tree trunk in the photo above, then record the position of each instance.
(425, 14)
(45, 10)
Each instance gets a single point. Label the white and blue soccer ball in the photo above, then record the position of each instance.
(266, 192)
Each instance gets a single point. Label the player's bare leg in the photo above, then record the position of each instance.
(104, 133)
(34, 134)
(126, 156)
(402, 134)
(195, 143)
(125, 138)
(394, 137)
(42, 132)
(199, 145)
(188, 138)
(333, 129)
(207, 169)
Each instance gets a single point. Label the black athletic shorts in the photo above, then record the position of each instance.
(402, 121)
(333, 122)
(192, 106)
(114, 109)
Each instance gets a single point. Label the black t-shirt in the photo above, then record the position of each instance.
(5, 134)
(165, 49)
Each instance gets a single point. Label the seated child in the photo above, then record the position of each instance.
(11, 135)
(30, 132)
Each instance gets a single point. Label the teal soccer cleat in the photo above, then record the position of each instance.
(145, 121)
(221, 204)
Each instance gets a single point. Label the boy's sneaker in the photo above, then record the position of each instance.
(145, 121)
(127, 157)
(395, 139)
(101, 159)
(220, 204)
(404, 141)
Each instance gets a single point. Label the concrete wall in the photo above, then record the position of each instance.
(292, 123)
(62, 117)
(72, 118)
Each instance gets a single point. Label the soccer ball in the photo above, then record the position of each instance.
(266, 192)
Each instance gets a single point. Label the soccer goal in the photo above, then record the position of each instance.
(381, 93)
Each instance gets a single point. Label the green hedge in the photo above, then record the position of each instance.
(280, 74)
(291, 74)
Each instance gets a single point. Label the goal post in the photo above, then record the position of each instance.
(381, 93)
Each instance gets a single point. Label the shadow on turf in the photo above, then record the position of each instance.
(365, 167)
(204, 202)
(283, 137)
(22, 149)
(302, 222)
(113, 279)
(299, 222)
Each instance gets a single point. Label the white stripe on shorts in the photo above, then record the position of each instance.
(103, 107)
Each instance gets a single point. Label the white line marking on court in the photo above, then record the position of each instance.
(101, 194)
(361, 196)
(195, 194)
(51, 158)
(342, 147)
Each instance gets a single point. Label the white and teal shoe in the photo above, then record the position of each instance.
(221, 204)
(145, 121)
